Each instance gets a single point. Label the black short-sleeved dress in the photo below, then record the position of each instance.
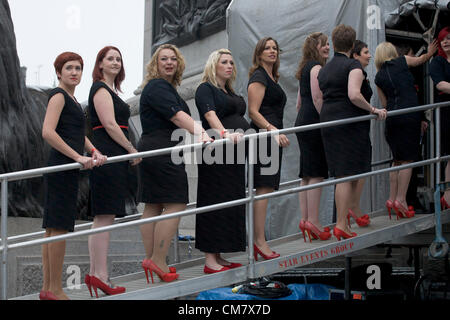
(440, 71)
(224, 180)
(61, 188)
(313, 162)
(161, 179)
(403, 131)
(347, 147)
(267, 171)
(109, 183)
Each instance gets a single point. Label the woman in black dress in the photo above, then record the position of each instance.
(266, 101)
(361, 53)
(221, 111)
(346, 151)
(109, 116)
(63, 129)
(395, 85)
(313, 164)
(440, 73)
(163, 183)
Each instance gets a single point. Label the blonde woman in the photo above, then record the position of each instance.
(395, 85)
(164, 186)
(222, 111)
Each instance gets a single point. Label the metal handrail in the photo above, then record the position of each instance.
(26, 174)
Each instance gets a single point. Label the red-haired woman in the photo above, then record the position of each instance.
(63, 129)
(109, 116)
(440, 73)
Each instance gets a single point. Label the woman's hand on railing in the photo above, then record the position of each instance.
(98, 158)
(134, 161)
(235, 136)
(282, 140)
(380, 113)
(86, 162)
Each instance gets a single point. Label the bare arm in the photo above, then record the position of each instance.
(417, 61)
(299, 100)
(215, 123)
(443, 86)
(182, 120)
(355, 80)
(316, 93)
(52, 115)
(104, 107)
(256, 93)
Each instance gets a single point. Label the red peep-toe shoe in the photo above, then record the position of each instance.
(313, 231)
(389, 207)
(362, 221)
(149, 265)
(96, 283)
(444, 204)
(256, 251)
(401, 211)
(338, 233)
(302, 228)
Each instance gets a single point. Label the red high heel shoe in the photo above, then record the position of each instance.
(338, 233)
(149, 265)
(96, 283)
(233, 265)
(256, 251)
(209, 270)
(444, 204)
(361, 221)
(389, 207)
(316, 233)
(87, 281)
(401, 211)
(51, 296)
(302, 228)
(43, 295)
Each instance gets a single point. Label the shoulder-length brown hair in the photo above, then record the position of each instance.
(256, 60)
(97, 73)
(152, 66)
(310, 52)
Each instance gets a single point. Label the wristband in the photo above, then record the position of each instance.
(93, 149)
(223, 132)
(267, 126)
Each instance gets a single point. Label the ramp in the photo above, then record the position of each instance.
(294, 253)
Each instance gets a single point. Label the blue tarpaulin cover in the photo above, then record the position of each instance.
(299, 292)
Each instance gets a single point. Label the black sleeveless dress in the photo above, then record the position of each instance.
(313, 162)
(109, 183)
(224, 180)
(267, 171)
(61, 188)
(440, 71)
(403, 131)
(161, 179)
(347, 147)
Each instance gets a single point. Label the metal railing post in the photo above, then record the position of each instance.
(437, 127)
(4, 230)
(250, 217)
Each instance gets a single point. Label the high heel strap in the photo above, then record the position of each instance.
(322, 235)
(360, 221)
